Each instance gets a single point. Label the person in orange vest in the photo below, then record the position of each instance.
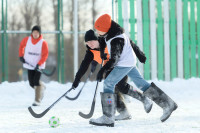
(123, 62)
(93, 57)
(33, 53)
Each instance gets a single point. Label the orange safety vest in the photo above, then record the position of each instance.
(97, 56)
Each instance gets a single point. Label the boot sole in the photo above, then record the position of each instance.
(35, 104)
(175, 107)
(98, 124)
(128, 118)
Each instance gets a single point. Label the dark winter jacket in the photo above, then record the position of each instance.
(89, 55)
(117, 45)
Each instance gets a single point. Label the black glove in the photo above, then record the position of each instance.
(103, 56)
(100, 75)
(140, 55)
(93, 66)
(75, 83)
(37, 67)
(22, 59)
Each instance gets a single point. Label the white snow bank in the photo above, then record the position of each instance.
(16, 97)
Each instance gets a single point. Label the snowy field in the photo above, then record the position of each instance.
(15, 98)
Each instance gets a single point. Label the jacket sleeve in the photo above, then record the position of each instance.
(84, 65)
(45, 53)
(140, 55)
(117, 45)
(102, 43)
(22, 46)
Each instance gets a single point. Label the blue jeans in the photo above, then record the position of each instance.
(118, 73)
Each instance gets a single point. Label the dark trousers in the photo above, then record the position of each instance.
(34, 78)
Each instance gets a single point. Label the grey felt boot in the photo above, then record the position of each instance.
(162, 100)
(108, 108)
(139, 96)
(121, 108)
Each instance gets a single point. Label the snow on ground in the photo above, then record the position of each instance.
(15, 98)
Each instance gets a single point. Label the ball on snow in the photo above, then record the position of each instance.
(54, 122)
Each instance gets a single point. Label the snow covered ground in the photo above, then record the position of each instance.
(15, 98)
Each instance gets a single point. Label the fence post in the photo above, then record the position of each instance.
(146, 39)
(6, 44)
(179, 38)
(2, 44)
(62, 44)
(125, 16)
(198, 34)
(120, 18)
(140, 32)
(61, 54)
(75, 36)
(160, 42)
(132, 20)
(186, 40)
(153, 40)
(193, 39)
(166, 40)
(173, 39)
(58, 56)
(113, 11)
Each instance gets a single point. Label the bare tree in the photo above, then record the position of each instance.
(29, 13)
(37, 12)
(94, 12)
(55, 13)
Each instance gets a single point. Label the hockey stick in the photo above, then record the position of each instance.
(74, 98)
(44, 112)
(87, 116)
(43, 71)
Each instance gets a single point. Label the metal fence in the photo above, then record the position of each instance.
(168, 31)
(60, 41)
(66, 40)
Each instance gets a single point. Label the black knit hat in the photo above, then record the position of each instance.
(90, 35)
(36, 27)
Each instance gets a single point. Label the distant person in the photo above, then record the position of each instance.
(92, 56)
(123, 61)
(33, 52)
